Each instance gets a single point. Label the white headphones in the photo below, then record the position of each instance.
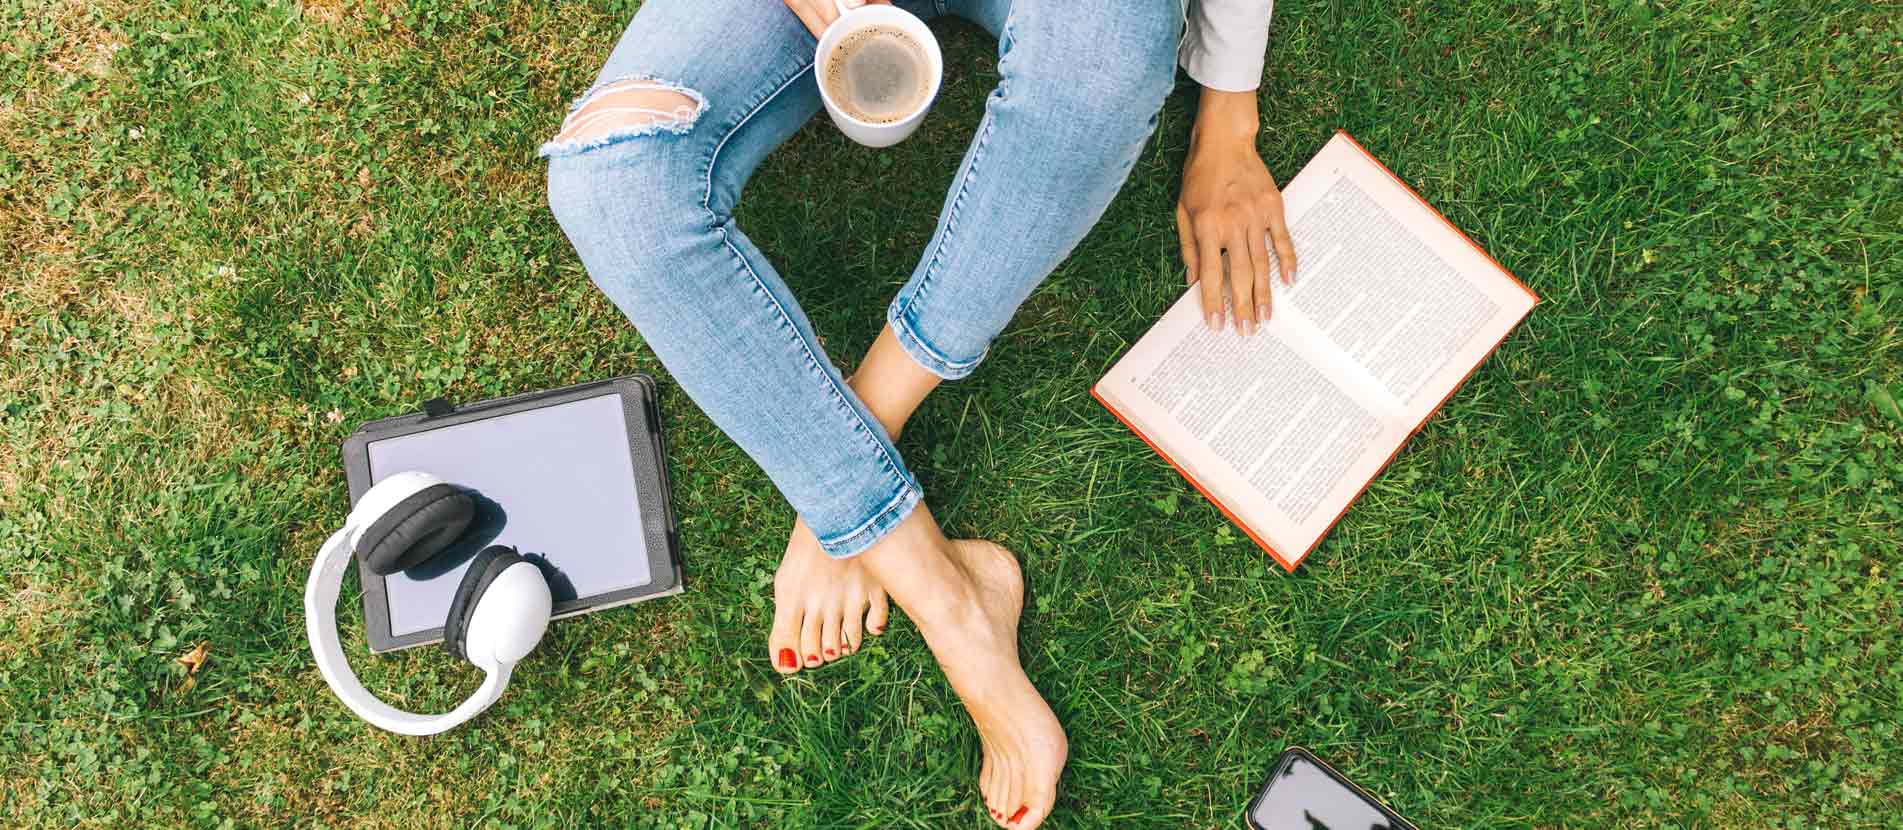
(498, 615)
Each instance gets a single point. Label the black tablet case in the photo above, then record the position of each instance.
(648, 457)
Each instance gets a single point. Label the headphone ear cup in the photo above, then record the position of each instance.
(484, 569)
(416, 528)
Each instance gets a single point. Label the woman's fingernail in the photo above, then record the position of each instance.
(1215, 321)
(853, 4)
(789, 660)
(1262, 312)
(1017, 815)
(1248, 327)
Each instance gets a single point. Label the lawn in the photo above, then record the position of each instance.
(1642, 571)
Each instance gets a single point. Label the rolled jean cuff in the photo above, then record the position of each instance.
(923, 353)
(869, 532)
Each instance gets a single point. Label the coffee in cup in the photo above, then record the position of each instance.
(878, 68)
(878, 74)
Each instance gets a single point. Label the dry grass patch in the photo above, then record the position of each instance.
(327, 12)
(559, 40)
(33, 612)
(82, 44)
(40, 256)
(18, 795)
(103, 383)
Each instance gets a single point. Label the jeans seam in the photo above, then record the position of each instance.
(786, 320)
(951, 214)
(813, 363)
(908, 496)
(707, 194)
(933, 359)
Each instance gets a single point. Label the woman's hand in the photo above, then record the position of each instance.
(1231, 207)
(818, 14)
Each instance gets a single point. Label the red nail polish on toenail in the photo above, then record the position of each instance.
(789, 660)
(1017, 815)
(812, 659)
(830, 652)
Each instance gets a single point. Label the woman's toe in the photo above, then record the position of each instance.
(878, 615)
(991, 789)
(783, 640)
(852, 627)
(1038, 801)
(1012, 798)
(1025, 817)
(829, 636)
(984, 776)
(810, 628)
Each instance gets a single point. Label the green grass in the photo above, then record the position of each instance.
(1643, 570)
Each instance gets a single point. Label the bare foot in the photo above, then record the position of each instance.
(965, 597)
(822, 607)
(1025, 747)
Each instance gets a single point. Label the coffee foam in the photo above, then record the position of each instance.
(878, 74)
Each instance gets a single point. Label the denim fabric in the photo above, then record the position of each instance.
(649, 210)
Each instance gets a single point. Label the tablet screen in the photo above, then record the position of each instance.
(554, 482)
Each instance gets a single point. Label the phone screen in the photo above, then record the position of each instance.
(1304, 795)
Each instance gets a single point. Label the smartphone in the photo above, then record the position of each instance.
(1303, 793)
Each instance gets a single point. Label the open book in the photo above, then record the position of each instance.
(1392, 307)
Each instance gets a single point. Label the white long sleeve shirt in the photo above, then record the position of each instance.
(1225, 42)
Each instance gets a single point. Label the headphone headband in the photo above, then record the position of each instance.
(320, 625)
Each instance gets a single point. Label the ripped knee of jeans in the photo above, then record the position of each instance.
(625, 109)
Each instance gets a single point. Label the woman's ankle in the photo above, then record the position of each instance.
(916, 565)
(888, 416)
(890, 383)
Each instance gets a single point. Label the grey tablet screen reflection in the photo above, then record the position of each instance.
(555, 482)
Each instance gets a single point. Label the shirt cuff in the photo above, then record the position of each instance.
(1231, 72)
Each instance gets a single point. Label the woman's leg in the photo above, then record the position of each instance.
(1081, 84)
(648, 207)
(1080, 87)
(643, 178)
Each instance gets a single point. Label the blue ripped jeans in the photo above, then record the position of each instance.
(649, 208)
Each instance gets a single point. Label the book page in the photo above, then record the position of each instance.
(1389, 282)
(1390, 310)
(1275, 428)
(1283, 426)
(1380, 293)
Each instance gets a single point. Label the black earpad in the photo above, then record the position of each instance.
(416, 529)
(482, 570)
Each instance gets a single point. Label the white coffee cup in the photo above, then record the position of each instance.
(850, 20)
